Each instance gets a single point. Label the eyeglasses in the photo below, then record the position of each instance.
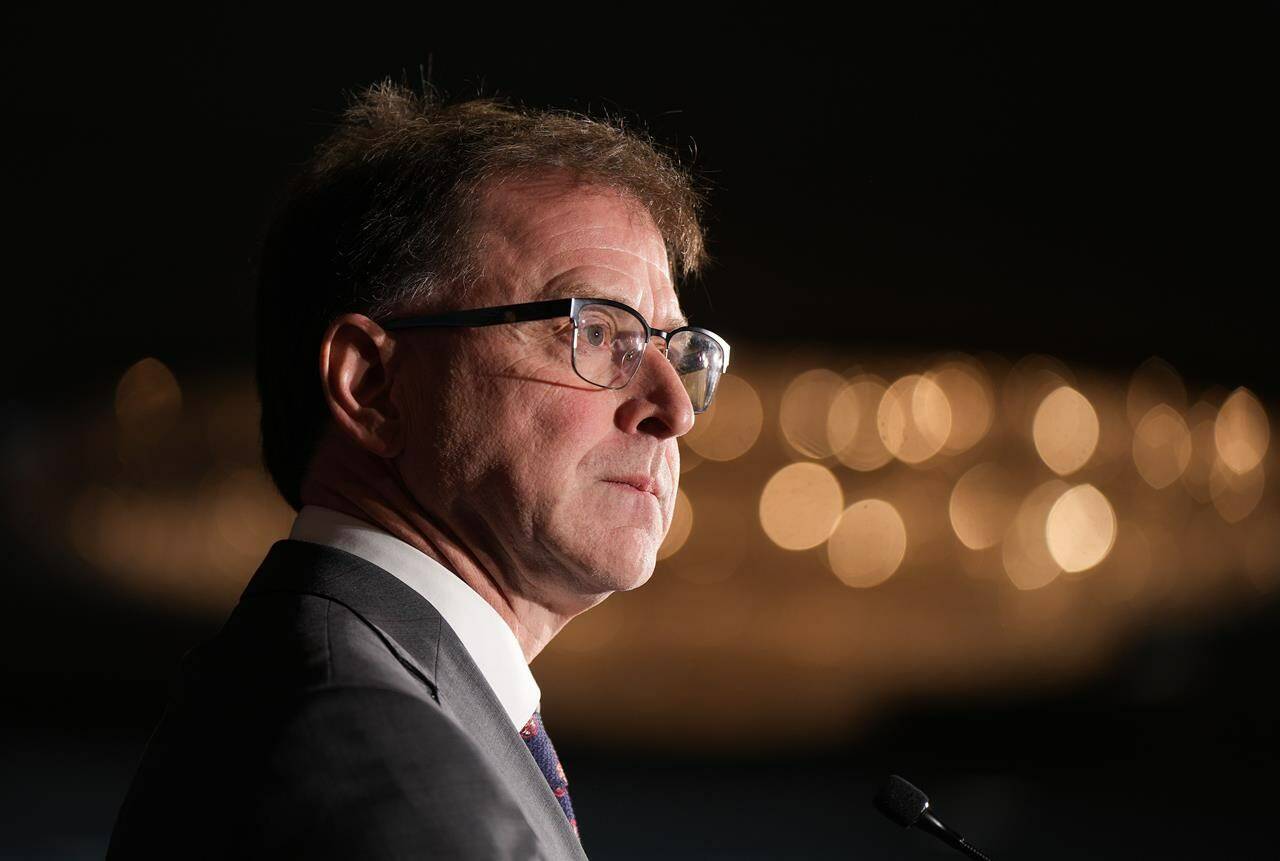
(609, 340)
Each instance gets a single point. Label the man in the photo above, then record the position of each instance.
(462, 395)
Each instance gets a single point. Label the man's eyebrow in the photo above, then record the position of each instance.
(584, 290)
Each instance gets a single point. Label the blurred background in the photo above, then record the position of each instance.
(991, 498)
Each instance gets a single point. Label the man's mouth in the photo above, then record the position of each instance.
(639, 483)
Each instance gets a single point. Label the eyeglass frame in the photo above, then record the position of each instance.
(551, 309)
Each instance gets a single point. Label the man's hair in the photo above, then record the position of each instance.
(378, 222)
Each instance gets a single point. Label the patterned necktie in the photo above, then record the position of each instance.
(544, 753)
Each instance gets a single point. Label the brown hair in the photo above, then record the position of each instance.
(378, 223)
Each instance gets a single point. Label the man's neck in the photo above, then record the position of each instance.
(383, 502)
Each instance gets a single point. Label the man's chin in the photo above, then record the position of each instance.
(635, 582)
(627, 565)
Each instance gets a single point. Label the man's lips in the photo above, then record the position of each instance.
(641, 483)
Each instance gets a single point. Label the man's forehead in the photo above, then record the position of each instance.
(574, 239)
(548, 213)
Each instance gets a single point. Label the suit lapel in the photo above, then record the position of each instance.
(415, 632)
(473, 704)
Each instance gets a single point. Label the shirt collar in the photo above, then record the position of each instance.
(487, 638)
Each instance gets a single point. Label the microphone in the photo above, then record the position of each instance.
(908, 806)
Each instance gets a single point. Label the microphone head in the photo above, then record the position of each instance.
(900, 801)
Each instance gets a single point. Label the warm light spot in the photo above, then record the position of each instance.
(806, 404)
(970, 396)
(1154, 383)
(1242, 431)
(1161, 446)
(681, 526)
(732, 423)
(248, 512)
(689, 459)
(1234, 495)
(1204, 452)
(868, 544)
(851, 424)
(1065, 430)
(1114, 451)
(1025, 551)
(914, 419)
(1026, 386)
(215, 537)
(800, 506)
(1081, 528)
(982, 506)
(148, 401)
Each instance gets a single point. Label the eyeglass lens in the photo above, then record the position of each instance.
(609, 342)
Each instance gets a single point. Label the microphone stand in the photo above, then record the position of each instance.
(930, 823)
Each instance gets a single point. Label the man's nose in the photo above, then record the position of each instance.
(655, 402)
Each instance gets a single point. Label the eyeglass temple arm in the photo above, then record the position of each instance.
(520, 313)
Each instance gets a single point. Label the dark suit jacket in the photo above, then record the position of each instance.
(336, 715)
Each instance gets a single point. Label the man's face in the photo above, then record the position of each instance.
(564, 489)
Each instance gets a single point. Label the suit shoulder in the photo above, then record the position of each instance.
(277, 645)
(346, 771)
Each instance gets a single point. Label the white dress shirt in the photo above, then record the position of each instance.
(487, 638)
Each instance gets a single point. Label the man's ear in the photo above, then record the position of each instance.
(357, 370)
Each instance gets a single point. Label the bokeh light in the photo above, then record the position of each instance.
(806, 405)
(681, 526)
(148, 401)
(979, 529)
(800, 506)
(247, 512)
(689, 459)
(1155, 382)
(1080, 528)
(1235, 495)
(1065, 430)
(1026, 386)
(914, 418)
(1241, 431)
(971, 399)
(851, 424)
(982, 505)
(731, 425)
(1204, 451)
(1161, 446)
(1025, 550)
(868, 544)
(215, 536)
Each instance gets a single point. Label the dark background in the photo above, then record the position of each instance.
(1097, 186)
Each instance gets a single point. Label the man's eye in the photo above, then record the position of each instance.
(595, 335)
